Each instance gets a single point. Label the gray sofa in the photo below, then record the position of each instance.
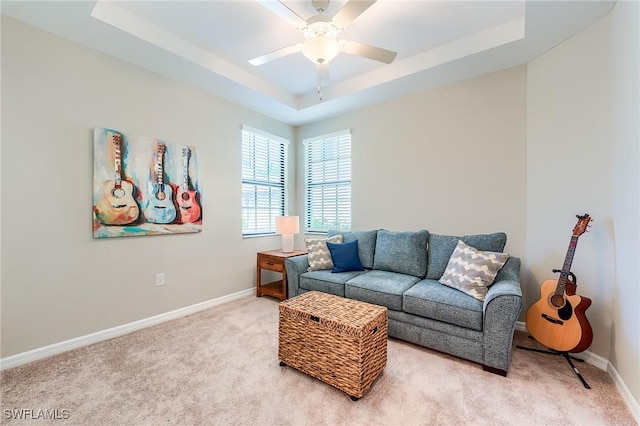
(401, 272)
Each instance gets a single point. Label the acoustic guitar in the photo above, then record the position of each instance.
(188, 207)
(117, 206)
(159, 207)
(558, 319)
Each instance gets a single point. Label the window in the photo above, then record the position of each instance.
(264, 159)
(328, 182)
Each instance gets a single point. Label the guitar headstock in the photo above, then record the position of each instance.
(116, 138)
(161, 148)
(583, 225)
(186, 151)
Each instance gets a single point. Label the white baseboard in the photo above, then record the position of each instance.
(521, 326)
(627, 397)
(605, 365)
(67, 345)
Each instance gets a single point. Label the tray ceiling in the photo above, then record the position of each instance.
(207, 44)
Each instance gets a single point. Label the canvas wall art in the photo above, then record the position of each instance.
(144, 186)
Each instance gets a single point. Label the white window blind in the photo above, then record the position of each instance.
(264, 159)
(328, 182)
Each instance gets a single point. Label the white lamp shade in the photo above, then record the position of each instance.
(286, 225)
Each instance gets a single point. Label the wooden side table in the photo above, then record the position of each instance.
(273, 260)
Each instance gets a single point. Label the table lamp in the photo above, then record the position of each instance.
(287, 226)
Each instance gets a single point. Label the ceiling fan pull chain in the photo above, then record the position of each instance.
(319, 93)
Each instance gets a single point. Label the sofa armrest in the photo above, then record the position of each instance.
(295, 267)
(501, 308)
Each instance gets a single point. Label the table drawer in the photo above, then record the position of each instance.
(271, 265)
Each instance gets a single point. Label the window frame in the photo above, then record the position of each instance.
(336, 183)
(268, 140)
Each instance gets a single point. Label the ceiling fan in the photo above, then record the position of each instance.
(320, 32)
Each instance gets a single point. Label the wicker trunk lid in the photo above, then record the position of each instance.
(340, 341)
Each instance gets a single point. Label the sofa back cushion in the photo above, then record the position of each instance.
(402, 252)
(441, 248)
(366, 243)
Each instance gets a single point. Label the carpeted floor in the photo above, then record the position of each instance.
(220, 367)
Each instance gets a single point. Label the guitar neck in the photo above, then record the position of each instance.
(185, 170)
(566, 267)
(160, 165)
(118, 160)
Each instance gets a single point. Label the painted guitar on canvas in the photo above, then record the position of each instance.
(117, 206)
(188, 206)
(159, 207)
(558, 319)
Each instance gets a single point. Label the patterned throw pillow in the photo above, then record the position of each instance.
(442, 246)
(319, 256)
(472, 271)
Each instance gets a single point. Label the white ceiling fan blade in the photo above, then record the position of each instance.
(283, 11)
(276, 54)
(368, 51)
(323, 74)
(350, 11)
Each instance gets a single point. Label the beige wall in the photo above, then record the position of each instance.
(583, 156)
(57, 282)
(569, 170)
(625, 316)
(450, 160)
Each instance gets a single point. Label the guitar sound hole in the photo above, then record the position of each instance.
(118, 192)
(161, 195)
(185, 196)
(557, 300)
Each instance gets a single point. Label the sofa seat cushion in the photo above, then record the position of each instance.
(430, 299)
(441, 248)
(402, 252)
(439, 327)
(380, 288)
(327, 281)
(366, 243)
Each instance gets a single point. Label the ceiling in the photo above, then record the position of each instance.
(207, 44)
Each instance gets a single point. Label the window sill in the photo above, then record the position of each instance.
(259, 235)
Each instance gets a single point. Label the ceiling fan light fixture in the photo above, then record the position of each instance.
(321, 49)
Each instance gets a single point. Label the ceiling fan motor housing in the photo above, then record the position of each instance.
(320, 25)
(320, 5)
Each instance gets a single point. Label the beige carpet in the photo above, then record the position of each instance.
(220, 367)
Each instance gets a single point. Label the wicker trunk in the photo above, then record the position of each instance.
(340, 341)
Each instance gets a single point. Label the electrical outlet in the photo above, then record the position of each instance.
(159, 279)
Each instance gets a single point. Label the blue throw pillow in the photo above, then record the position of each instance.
(366, 243)
(345, 256)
